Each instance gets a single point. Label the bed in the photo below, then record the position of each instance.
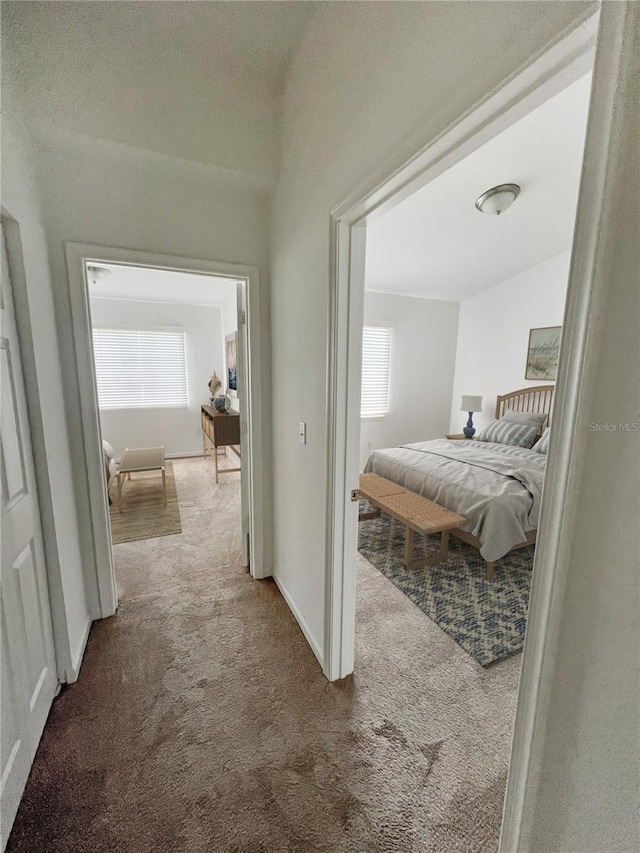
(497, 487)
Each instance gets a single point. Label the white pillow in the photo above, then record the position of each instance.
(542, 445)
(530, 418)
(503, 432)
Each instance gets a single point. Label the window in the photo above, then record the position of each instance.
(376, 362)
(139, 370)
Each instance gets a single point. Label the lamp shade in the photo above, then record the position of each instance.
(471, 404)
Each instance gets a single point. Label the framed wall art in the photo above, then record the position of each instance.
(231, 351)
(542, 353)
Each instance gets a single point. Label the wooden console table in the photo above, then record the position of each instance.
(221, 429)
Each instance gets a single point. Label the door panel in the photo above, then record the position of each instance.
(29, 680)
(12, 748)
(12, 458)
(30, 597)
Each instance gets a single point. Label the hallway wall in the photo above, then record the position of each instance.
(111, 195)
(190, 176)
(44, 383)
(576, 734)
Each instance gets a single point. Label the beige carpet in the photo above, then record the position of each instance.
(201, 720)
(144, 514)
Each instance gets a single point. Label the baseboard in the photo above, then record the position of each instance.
(186, 455)
(316, 647)
(74, 671)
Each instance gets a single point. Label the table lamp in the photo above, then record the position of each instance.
(470, 404)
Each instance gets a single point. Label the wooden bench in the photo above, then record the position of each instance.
(418, 514)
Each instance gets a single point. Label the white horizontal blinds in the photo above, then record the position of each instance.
(138, 369)
(376, 365)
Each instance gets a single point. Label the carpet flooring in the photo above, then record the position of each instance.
(487, 618)
(144, 514)
(201, 720)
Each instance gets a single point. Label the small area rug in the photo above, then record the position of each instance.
(487, 618)
(144, 515)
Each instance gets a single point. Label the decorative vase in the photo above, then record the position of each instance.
(214, 386)
(469, 429)
(222, 404)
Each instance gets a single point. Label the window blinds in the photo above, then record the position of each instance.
(376, 365)
(138, 369)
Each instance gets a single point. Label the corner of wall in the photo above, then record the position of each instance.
(73, 672)
(316, 645)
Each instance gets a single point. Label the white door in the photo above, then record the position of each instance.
(243, 391)
(29, 679)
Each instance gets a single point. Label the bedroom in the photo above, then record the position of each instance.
(165, 366)
(456, 305)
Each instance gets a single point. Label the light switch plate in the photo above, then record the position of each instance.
(302, 432)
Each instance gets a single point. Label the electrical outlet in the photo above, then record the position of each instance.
(368, 445)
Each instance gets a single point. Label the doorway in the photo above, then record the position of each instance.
(79, 259)
(169, 390)
(562, 65)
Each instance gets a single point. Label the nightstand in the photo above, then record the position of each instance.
(460, 436)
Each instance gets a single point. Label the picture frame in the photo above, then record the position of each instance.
(231, 356)
(542, 353)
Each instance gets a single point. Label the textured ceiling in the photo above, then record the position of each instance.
(196, 80)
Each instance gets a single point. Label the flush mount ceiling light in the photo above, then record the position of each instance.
(97, 274)
(498, 199)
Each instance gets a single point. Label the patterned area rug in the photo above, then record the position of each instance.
(144, 515)
(486, 618)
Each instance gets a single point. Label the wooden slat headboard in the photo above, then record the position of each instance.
(537, 399)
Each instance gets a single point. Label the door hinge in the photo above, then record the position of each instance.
(355, 495)
(242, 317)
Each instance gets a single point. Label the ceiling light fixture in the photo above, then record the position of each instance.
(97, 274)
(498, 199)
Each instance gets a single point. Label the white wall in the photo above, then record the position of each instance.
(493, 335)
(43, 377)
(177, 429)
(577, 731)
(105, 194)
(367, 80)
(423, 349)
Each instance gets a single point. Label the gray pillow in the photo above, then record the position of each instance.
(543, 444)
(503, 432)
(529, 418)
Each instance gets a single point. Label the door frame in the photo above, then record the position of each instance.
(21, 303)
(78, 255)
(568, 58)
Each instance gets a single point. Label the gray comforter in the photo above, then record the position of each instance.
(496, 487)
